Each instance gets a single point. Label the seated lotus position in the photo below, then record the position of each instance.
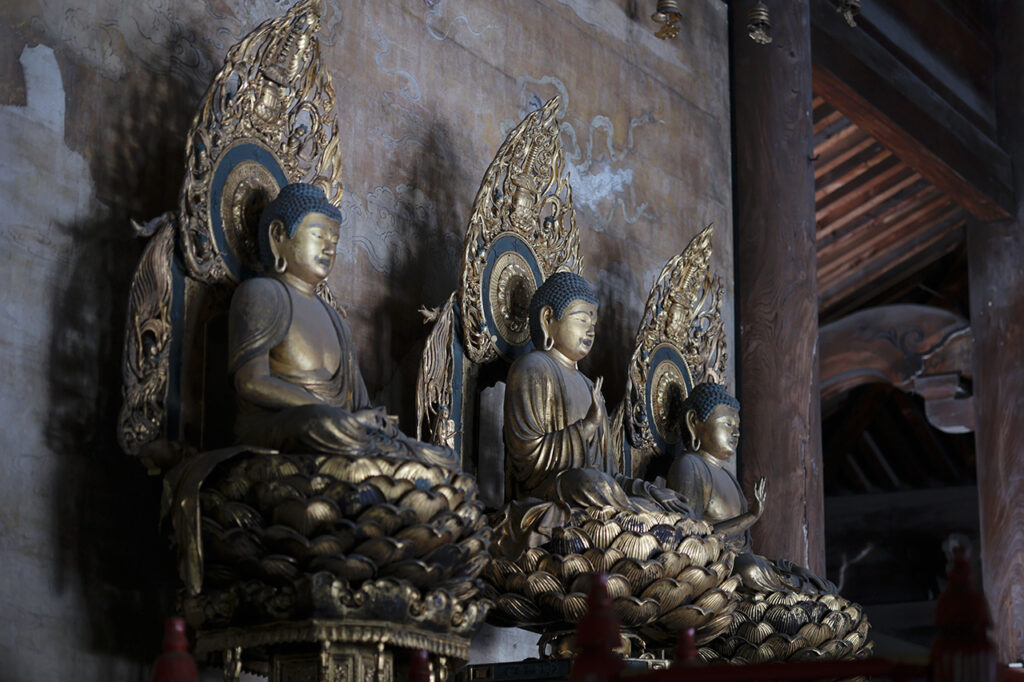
(712, 419)
(557, 444)
(294, 368)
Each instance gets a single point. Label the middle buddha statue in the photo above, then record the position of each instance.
(557, 440)
(294, 367)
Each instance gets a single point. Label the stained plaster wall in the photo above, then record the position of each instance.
(95, 100)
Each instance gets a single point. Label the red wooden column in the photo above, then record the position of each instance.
(996, 270)
(776, 281)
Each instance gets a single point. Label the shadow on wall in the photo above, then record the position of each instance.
(110, 549)
(430, 218)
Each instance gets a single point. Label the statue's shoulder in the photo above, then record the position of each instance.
(534, 362)
(260, 316)
(257, 289)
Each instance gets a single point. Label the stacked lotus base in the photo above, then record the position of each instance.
(789, 626)
(665, 572)
(384, 542)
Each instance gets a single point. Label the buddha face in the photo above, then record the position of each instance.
(719, 434)
(309, 253)
(573, 333)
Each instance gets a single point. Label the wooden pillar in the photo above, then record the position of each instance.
(996, 270)
(776, 281)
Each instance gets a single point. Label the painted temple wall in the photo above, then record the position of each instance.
(95, 101)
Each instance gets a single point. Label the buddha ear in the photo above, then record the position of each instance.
(278, 235)
(691, 424)
(547, 318)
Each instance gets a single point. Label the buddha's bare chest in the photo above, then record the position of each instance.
(311, 343)
(726, 499)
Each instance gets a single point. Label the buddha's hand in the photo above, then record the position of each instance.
(760, 493)
(595, 416)
(373, 418)
(670, 500)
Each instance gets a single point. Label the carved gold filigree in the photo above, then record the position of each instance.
(147, 341)
(525, 192)
(683, 313)
(273, 100)
(275, 94)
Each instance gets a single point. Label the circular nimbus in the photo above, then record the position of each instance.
(668, 385)
(246, 178)
(510, 279)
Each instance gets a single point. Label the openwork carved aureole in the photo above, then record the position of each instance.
(683, 316)
(266, 120)
(525, 194)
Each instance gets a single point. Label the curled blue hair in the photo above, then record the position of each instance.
(557, 291)
(706, 397)
(293, 203)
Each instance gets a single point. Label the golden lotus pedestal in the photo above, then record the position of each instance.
(330, 651)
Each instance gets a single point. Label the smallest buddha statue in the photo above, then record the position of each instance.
(291, 356)
(712, 420)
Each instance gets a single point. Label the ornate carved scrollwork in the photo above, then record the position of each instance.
(680, 343)
(266, 120)
(522, 229)
(147, 341)
(524, 205)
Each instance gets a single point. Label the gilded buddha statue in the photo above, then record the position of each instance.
(291, 357)
(712, 419)
(557, 440)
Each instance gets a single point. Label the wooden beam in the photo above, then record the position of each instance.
(823, 164)
(881, 95)
(882, 186)
(850, 171)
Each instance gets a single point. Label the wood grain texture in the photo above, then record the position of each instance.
(995, 254)
(776, 282)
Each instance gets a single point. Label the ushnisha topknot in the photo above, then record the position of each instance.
(706, 397)
(557, 291)
(291, 205)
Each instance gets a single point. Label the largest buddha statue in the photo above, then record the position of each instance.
(291, 357)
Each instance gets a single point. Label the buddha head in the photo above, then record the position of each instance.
(298, 234)
(563, 316)
(712, 418)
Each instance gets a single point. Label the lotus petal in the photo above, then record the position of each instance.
(753, 610)
(498, 572)
(837, 649)
(465, 483)
(422, 537)
(472, 514)
(415, 571)
(286, 540)
(391, 488)
(815, 633)
(668, 536)
(353, 567)
(696, 549)
(702, 579)
(574, 565)
(669, 593)
(784, 597)
(785, 619)
(530, 559)
(542, 582)
(518, 609)
(640, 574)
(617, 587)
(634, 522)
(426, 504)
(633, 612)
(721, 569)
(641, 547)
(567, 541)
(755, 633)
(469, 567)
(839, 622)
(833, 602)
(717, 626)
(351, 470)
(329, 544)
(271, 494)
(239, 545)
(359, 498)
(574, 607)
(674, 562)
(278, 567)
(234, 487)
(685, 616)
(422, 475)
(716, 601)
(602, 533)
(383, 550)
(447, 556)
(454, 496)
(460, 589)
(602, 560)
(238, 514)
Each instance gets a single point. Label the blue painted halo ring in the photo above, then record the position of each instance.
(668, 383)
(510, 277)
(245, 178)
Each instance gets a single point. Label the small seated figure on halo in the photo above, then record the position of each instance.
(291, 357)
